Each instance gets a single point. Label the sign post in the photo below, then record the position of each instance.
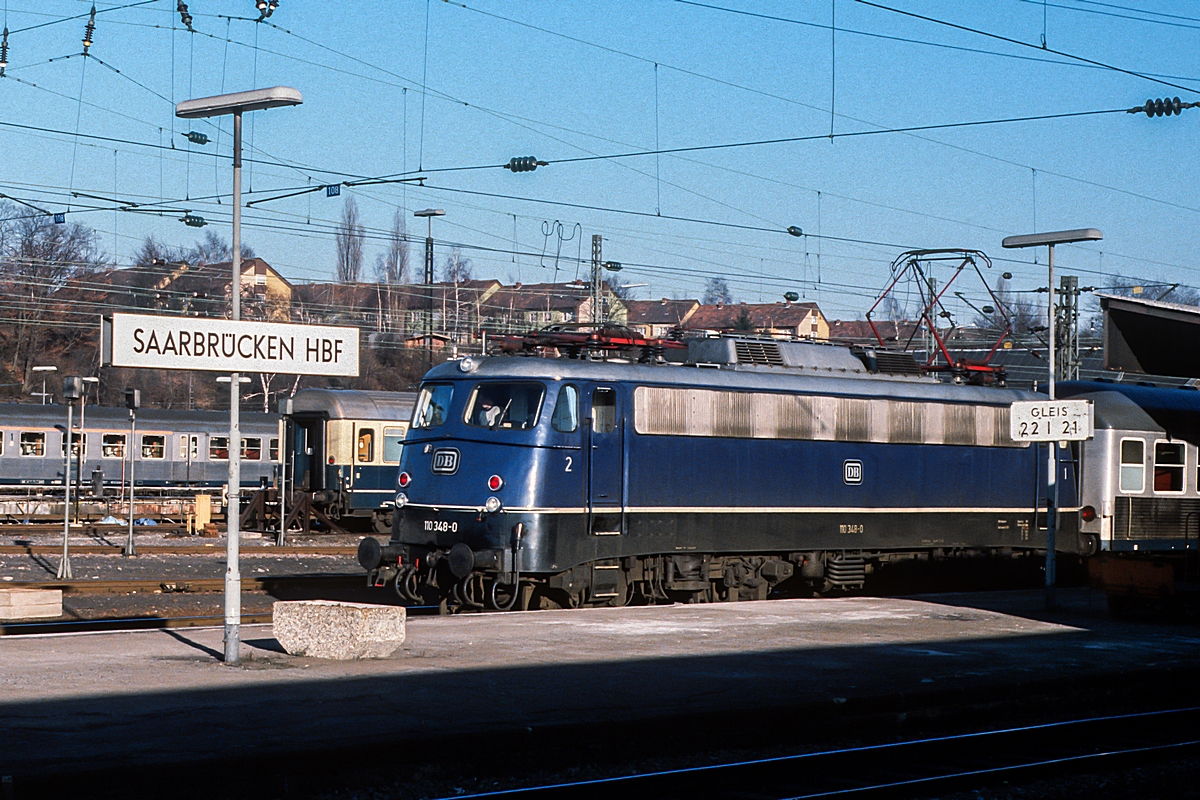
(1051, 421)
(236, 347)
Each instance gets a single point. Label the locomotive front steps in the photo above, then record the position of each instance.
(337, 630)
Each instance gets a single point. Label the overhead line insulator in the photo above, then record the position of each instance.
(524, 164)
(1162, 107)
(89, 33)
(4, 52)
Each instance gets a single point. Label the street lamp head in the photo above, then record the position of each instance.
(1053, 237)
(91, 380)
(253, 100)
(44, 369)
(430, 212)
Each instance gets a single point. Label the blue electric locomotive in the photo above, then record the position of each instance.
(751, 463)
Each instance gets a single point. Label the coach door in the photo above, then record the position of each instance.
(605, 463)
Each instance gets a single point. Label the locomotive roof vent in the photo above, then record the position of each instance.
(744, 351)
(891, 362)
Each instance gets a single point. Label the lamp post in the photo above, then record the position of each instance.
(1049, 240)
(429, 214)
(81, 453)
(44, 370)
(72, 389)
(217, 106)
(133, 399)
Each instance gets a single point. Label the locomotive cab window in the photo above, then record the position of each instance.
(1133, 465)
(1169, 461)
(393, 445)
(505, 405)
(154, 447)
(218, 448)
(604, 410)
(112, 445)
(33, 444)
(366, 445)
(252, 449)
(566, 410)
(433, 404)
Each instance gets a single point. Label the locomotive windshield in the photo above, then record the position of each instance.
(432, 405)
(505, 405)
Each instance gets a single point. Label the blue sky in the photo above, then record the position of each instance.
(585, 84)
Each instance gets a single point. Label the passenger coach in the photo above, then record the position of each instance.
(752, 463)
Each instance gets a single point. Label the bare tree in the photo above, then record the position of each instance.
(716, 291)
(37, 257)
(458, 267)
(350, 235)
(210, 249)
(1023, 313)
(391, 266)
(619, 288)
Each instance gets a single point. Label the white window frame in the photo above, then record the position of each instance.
(1181, 467)
(1121, 465)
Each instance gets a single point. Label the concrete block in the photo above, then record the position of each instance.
(343, 631)
(30, 604)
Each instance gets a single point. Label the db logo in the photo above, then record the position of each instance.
(445, 461)
(852, 472)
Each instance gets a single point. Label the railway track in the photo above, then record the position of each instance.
(264, 583)
(913, 768)
(216, 548)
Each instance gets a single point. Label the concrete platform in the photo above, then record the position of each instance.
(71, 704)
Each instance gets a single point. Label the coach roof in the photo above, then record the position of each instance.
(354, 404)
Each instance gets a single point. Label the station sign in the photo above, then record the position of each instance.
(222, 345)
(1051, 420)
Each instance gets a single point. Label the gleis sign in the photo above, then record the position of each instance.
(1051, 420)
(221, 345)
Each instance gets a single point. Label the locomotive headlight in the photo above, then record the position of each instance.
(468, 364)
(401, 499)
(403, 480)
(492, 505)
(495, 483)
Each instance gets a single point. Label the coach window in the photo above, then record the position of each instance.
(505, 405)
(33, 444)
(566, 410)
(432, 405)
(393, 445)
(604, 410)
(218, 448)
(112, 445)
(76, 440)
(1133, 465)
(1169, 461)
(154, 447)
(366, 445)
(274, 448)
(252, 449)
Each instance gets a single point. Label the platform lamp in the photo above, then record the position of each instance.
(44, 371)
(1049, 240)
(219, 106)
(72, 391)
(133, 401)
